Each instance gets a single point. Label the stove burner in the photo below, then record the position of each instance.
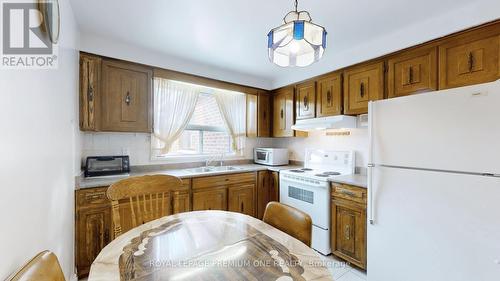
(306, 169)
(331, 173)
(297, 171)
(322, 175)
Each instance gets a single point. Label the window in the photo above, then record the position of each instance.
(206, 132)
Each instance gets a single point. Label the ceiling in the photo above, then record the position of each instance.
(230, 35)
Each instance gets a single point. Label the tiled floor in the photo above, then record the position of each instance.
(340, 270)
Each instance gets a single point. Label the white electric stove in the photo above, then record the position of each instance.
(308, 189)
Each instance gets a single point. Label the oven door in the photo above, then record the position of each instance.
(313, 199)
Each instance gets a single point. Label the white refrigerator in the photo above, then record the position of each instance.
(434, 186)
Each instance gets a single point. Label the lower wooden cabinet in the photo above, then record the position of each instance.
(348, 215)
(241, 199)
(210, 199)
(181, 202)
(267, 190)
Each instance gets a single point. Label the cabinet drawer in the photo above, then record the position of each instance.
(222, 180)
(349, 192)
(469, 59)
(93, 196)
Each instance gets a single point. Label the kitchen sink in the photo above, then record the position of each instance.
(225, 168)
(200, 170)
(212, 169)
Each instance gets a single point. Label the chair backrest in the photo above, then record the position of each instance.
(289, 220)
(43, 267)
(138, 200)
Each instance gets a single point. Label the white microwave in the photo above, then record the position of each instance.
(271, 156)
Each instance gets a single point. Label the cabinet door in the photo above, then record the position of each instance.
(264, 118)
(470, 59)
(92, 234)
(306, 100)
(262, 192)
(126, 97)
(90, 74)
(251, 116)
(274, 186)
(241, 199)
(180, 202)
(361, 85)
(349, 231)
(329, 99)
(412, 72)
(210, 199)
(283, 113)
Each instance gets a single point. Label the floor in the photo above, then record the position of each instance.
(340, 270)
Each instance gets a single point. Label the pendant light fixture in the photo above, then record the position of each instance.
(298, 42)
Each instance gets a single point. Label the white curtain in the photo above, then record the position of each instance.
(174, 105)
(233, 108)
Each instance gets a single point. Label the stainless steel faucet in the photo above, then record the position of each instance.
(212, 159)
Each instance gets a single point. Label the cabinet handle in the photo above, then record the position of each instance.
(91, 94)
(347, 232)
(410, 75)
(106, 236)
(328, 97)
(306, 104)
(362, 90)
(264, 114)
(347, 192)
(281, 114)
(471, 61)
(128, 99)
(241, 207)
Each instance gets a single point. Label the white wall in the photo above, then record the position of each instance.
(357, 141)
(138, 147)
(38, 125)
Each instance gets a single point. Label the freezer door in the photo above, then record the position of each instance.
(433, 226)
(456, 129)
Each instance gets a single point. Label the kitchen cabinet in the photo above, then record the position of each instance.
(413, 72)
(241, 199)
(263, 115)
(305, 104)
(363, 84)
(181, 202)
(470, 58)
(126, 97)
(210, 199)
(93, 226)
(267, 190)
(329, 96)
(348, 223)
(283, 115)
(90, 75)
(251, 119)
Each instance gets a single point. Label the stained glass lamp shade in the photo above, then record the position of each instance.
(298, 42)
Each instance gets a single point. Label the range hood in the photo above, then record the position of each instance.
(324, 123)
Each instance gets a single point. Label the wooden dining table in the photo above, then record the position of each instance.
(207, 245)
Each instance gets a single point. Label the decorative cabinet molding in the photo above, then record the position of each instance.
(363, 84)
(412, 72)
(90, 78)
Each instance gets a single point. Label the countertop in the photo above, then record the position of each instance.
(356, 180)
(83, 182)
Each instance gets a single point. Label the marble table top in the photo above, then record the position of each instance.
(207, 245)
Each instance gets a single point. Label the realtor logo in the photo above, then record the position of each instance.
(25, 44)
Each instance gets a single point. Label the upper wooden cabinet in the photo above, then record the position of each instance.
(361, 85)
(263, 115)
(126, 97)
(329, 96)
(251, 116)
(305, 104)
(412, 72)
(283, 113)
(471, 58)
(90, 75)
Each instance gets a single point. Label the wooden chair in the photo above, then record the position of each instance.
(292, 221)
(146, 198)
(43, 267)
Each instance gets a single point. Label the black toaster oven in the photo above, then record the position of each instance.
(107, 166)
